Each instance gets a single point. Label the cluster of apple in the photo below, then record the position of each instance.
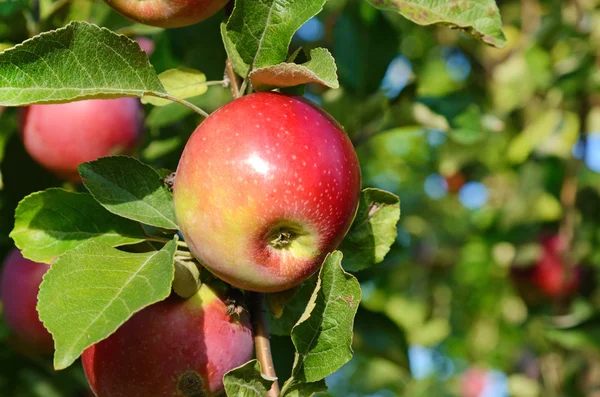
(267, 185)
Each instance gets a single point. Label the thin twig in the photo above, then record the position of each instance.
(530, 16)
(568, 193)
(244, 86)
(214, 82)
(262, 344)
(185, 103)
(233, 79)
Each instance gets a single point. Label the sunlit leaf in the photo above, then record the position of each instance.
(247, 381)
(51, 222)
(479, 18)
(79, 61)
(131, 189)
(93, 289)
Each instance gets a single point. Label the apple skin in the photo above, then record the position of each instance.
(173, 348)
(549, 276)
(62, 136)
(146, 44)
(167, 13)
(265, 188)
(473, 382)
(553, 278)
(21, 279)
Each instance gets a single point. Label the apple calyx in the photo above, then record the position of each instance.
(282, 238)
(290, 236)
(190, 385)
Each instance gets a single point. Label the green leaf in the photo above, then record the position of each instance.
(8, 8)
(93, 289)
(238, 63)
(363, 49)
(300, 389)
(478, 18)
(467, 127)
(373, 231)
(323, 335)
(584, 336)
(320, 69)
(376, 334)
(54, 221)
(7, 129)
(554, 132)
(247, 381)
(259, 33)
(181, 83)
(79, 61)
(278, 300)
(293, 309)
(131, 189)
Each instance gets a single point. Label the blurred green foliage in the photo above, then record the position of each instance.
(481, 145)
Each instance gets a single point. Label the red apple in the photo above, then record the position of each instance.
(265, 188)
(473, 382)
(146, 44)
(552, 244)
(21, 279)
(62, 136)
(553, 278)
(167, 13)
(173, 348)
(455, 181)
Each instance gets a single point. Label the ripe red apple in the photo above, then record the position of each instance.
(146, 44)
(21, 279)
(173, 348)
(167, 13)
(62, 136)
(473, 382)
(553, 278)
(265, 188)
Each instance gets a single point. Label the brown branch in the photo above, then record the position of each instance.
(234, 82)
(262, 344)
(530, 16)
(568, 197)
(568, 192)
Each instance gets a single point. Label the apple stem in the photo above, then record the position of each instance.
(262, 344)
(233, 78)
